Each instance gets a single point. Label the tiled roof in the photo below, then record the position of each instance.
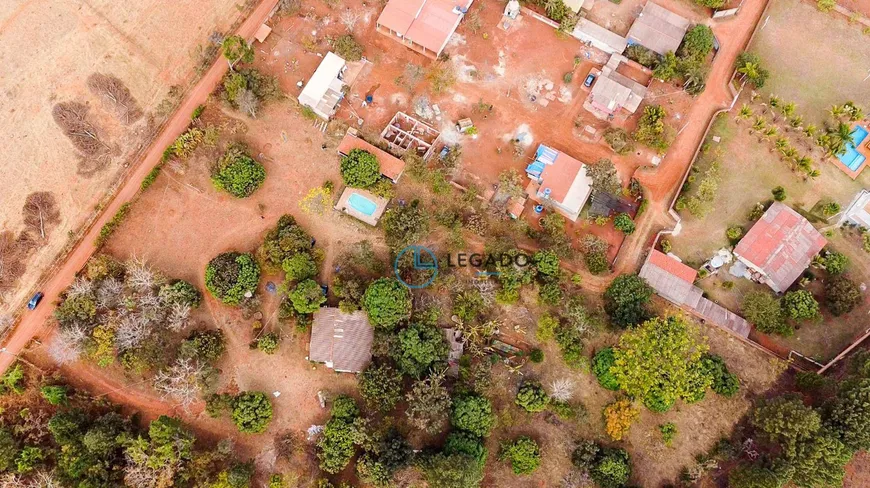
(674, 267)
(429, 23)
(391, 166)
(344, 340)
(782, 244)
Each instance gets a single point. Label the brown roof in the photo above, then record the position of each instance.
(391, 166)
(344, 340)
(782, 244)
(658, 29)
(429, 23)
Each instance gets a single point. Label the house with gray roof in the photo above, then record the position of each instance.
(658, 29)
(342, 341)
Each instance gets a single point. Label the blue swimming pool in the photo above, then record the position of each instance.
(362, 204)
(852, 158)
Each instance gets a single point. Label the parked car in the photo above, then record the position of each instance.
(35, 300)
(589, 80)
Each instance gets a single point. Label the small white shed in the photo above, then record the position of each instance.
(325, 88)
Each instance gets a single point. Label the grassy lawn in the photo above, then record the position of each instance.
(815, 59)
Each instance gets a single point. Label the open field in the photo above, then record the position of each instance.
(50, 50)
(816, 59)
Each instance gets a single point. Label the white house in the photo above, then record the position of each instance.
(325, 89)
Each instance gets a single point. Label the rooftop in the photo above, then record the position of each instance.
(562, 179)
(658, 29)
(781, 245)
(428, 23)
(614, 91)
(342, 341)
(323, 90)
(391, 166)
(601, 38)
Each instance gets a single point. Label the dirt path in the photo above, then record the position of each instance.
(34, 324)
(662, 183)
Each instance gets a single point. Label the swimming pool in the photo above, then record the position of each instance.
(362, 204)
(852, 158)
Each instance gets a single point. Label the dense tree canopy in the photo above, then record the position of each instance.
(360, 169)
(405, 225)
(800, 305)
(237, 173)
(387, 302)
(765, 311)
(849, 415)
(380, 387)
(231, 277)
(418, 347)
(307, 297)
(473, 413)
(523, 454)
(787, 422)
(841, 295)
(252, 412)
(626, 298)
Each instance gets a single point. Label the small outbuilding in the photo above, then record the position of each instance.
(342, 341)
(858, 213)
(325, 89)
(598, 37)
(658, 29)
(779, 247)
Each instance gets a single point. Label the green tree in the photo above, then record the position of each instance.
(623, 223)
(651, 130)
(697, 43)
(418, 347)
(300, 266)
(472, 413)
(237, 173)
(206, 346)
(336, 445)
(268, 343)
(180, 292)
(836, 262)
(820, 461)
(787, 422)
(428, 404)
(547, 263)
(236, 49)
(360, 169)
(800, 305)
(252, 412)
(532, 397)
(28, 458)
(348, 48)
(467, 444)
(765, 311)
(611, 468)
(54, 394)
(778, 193)
(405, 225)
(8, 450)
(284, 241)
(602, 363)
(626, 298)
(724, 383)
(849, 415)
(387, 303)
(307, 297)
(660, 362)
(668, 67)
(523, 454)
(756, 476)
(451, 471)
(750, 69)
(842, 295)
(231, 277)
(380, 387)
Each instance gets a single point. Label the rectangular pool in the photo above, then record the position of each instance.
(852, 158)
(362, 204)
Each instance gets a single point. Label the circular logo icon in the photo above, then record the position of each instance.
(424, 260)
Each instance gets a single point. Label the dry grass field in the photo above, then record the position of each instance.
(50, 49)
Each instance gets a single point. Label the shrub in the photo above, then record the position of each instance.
(405, 225)
(624, 223)
(387, 303)
(150, 178)
(601, 364)
(348, 48)
(283, 242)
(536, 356)
(472, 413)
(300, 266)
(836, 262)
(237, 173)
(252, 412)
(765, 311)
(8, 449)
(826, 5)
(231, 277)
(523, 454)
(380, 387)
(618, 139)
(109, 227)
(28, 458)
(360, 169)
(668, 431)
(180, 292)
(13, 380)
(466, 444)
(800, 305)
(618, 417)
(206, 346)
(532, 397)
(734, 233)
(724, 383)
(307, 297)
(651, 130)
(841, 295)
(612, 468)
(55, 395)
(268, 343)
(778, 193)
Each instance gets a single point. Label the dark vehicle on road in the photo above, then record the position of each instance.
(35, 300)
(589, 80)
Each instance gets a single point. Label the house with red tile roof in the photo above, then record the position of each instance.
(779, 247)
(343, 341)
(559, 180)
(422, 25)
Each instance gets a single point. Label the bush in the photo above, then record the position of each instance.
(842, 295)
(601, 363)
(473, 414)
(307, 297)
(180, 292)
(532, 397)
(268, 343)
(668, 431)
(380, 387)
(237, 173)
(523, 454)
(8, 449)
(612, 468)
(206, 346)
(150, 178)
(55, 395)
(800, 305)
(618, 139)
(387, 303)
(283, 242)
(231, 277)
(826, 5)
(836, 262)
(624, 223)
(618, 417)
(13, 380)
(300, 266)
(360, 169)
(764, 310)
(734, 233)
(466, 444)
(778, 193)
(536, 356)
(724, 383)
(252, 412)
(405, 225)
(109, 227)
(347, 48)
(651, 130)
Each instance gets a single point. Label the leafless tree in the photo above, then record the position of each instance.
(141, 475)
(181, 381)
(72, 118)
(115, 92)
(349, 18)
(11, 260)
(40, 210)
(132, 330)
(141, 277)
(68, 344)
(562, 389)
(248, 102)
(289, 7)
(178, 318)
(6, 321)
(109, 293)
(80, 287)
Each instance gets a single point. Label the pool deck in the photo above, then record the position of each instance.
(344, 206)
(862, 149)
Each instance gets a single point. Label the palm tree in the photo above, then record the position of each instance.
(744, 113)
(814, 173)
(837, 139)
(854, 112)
(780, 144)
(805, 163)
(771, 132)
(837, 111)
(759, 125)
(810, 130)
(796, 121)
(775, 102)
(749, 70)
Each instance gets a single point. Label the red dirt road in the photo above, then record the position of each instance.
(34, 324)
(663, 182)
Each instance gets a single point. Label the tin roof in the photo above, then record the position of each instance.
(391, 166)
(340, 339)
(782, 244)
(658, 29)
